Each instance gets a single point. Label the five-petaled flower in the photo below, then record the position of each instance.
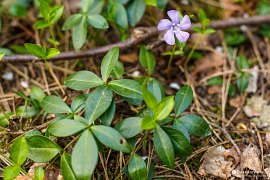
(175, 27)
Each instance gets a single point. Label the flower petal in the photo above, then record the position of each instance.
(182, 36)
(174, 15)
(164, 24)
(185, 23)
(169, 37)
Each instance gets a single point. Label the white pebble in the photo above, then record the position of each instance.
(24, 84)
(243, 28)
(219, 49)
(8, 76)
(174, 85)
(185, 2)
(136, 74)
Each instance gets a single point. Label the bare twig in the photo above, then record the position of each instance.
(139, 35)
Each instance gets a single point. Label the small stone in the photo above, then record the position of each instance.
(136, 74)
(174, 85)
(24, 84)
(8, 76)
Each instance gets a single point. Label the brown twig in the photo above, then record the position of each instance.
(139, 35)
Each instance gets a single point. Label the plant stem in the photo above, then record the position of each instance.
(53, 37)
(171, 58)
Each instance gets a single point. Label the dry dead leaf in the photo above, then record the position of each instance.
(250, 158)
(232, 153)
(267, 172)
(214, 90)
(236, 102)
(215, 164)
(254, 106)
(129, 58)
(212, 60)
(230, 8)
(263, 121)
(253, 80)
(267, 138)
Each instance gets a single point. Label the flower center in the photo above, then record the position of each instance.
(175, 27)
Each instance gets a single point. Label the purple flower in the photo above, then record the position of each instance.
(175, 27)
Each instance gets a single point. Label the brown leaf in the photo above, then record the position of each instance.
(250, 158)
(215, 164)
(230, 8)
(236, 102)
(212, 60)
(267, 172)
(254, 106)
(214, 90)
(129, 58)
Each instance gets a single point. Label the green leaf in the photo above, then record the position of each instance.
(4, 118)
(85, 4)
(97, 21)
(84, 156)
(180, 127)
(1, 55)
(56, 13)
(65, 127)
(118, 70)
(17, 10)
(97, 103)
(151, 2)
(41, 149)
(163, 146)
(79, 33)
(183, 99)
(195, 125)
(26, 111)
(41, 24)
(66, 168)
(37, 93)
(111, 138)
(181, 145)
(164, 108)
(215, 81)
(120, 15)
(39, 173)
(242, 62)
(162, 4)
(35, 50)
(147, 60)
(156, 89)
(45, 8)
(107, 117)
(71, 21)
(54, 105)
(137, 168)
(11, 172)
(83, 80)
(51, 52)
(129, 127)
(19, 151)
(108, 63)
(127, 88)
(78, 103)
(135, 11)
(242, 82)
(149, 99)
(148, 122)
(96, 7)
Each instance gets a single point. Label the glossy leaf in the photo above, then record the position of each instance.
(163, 146)
(97, 21)
(110, 138)
(135, 11)
(107, 117)
(79, 33)
(195, 125)
(148, 122)
(66, 127)
(129, 127)
(41, 24)
(72, 21)
(85, 4)
(56, 13)
(39, 173)
(149, 99)
(120, 15)
(181, 145)
(97, 103)
(66, 169)
(37, 93)
(54, 105)
(183, 99)
(83, 80)
(84, 156)
(156, 89)
(180, 127)
(26, 111)
(78, 103)
(147, 60)
(19, 150)
(108, 63)
(51, 52)
(42, 149)
(118, 70)
(36, 50)
(127, 88)
(11, 172)
(137, 168)
(164, 108)
(44, 8)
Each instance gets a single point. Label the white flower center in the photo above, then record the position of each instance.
(175, 27)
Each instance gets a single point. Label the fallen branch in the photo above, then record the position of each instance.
(139, 35)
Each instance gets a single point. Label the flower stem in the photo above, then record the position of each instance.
(171, 58)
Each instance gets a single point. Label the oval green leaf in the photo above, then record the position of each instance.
(54, 105)
(129, 127)
(66, 169)
(137, 168)
(183, 99)
(108, 63)
(164, 108)
(19, 151)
